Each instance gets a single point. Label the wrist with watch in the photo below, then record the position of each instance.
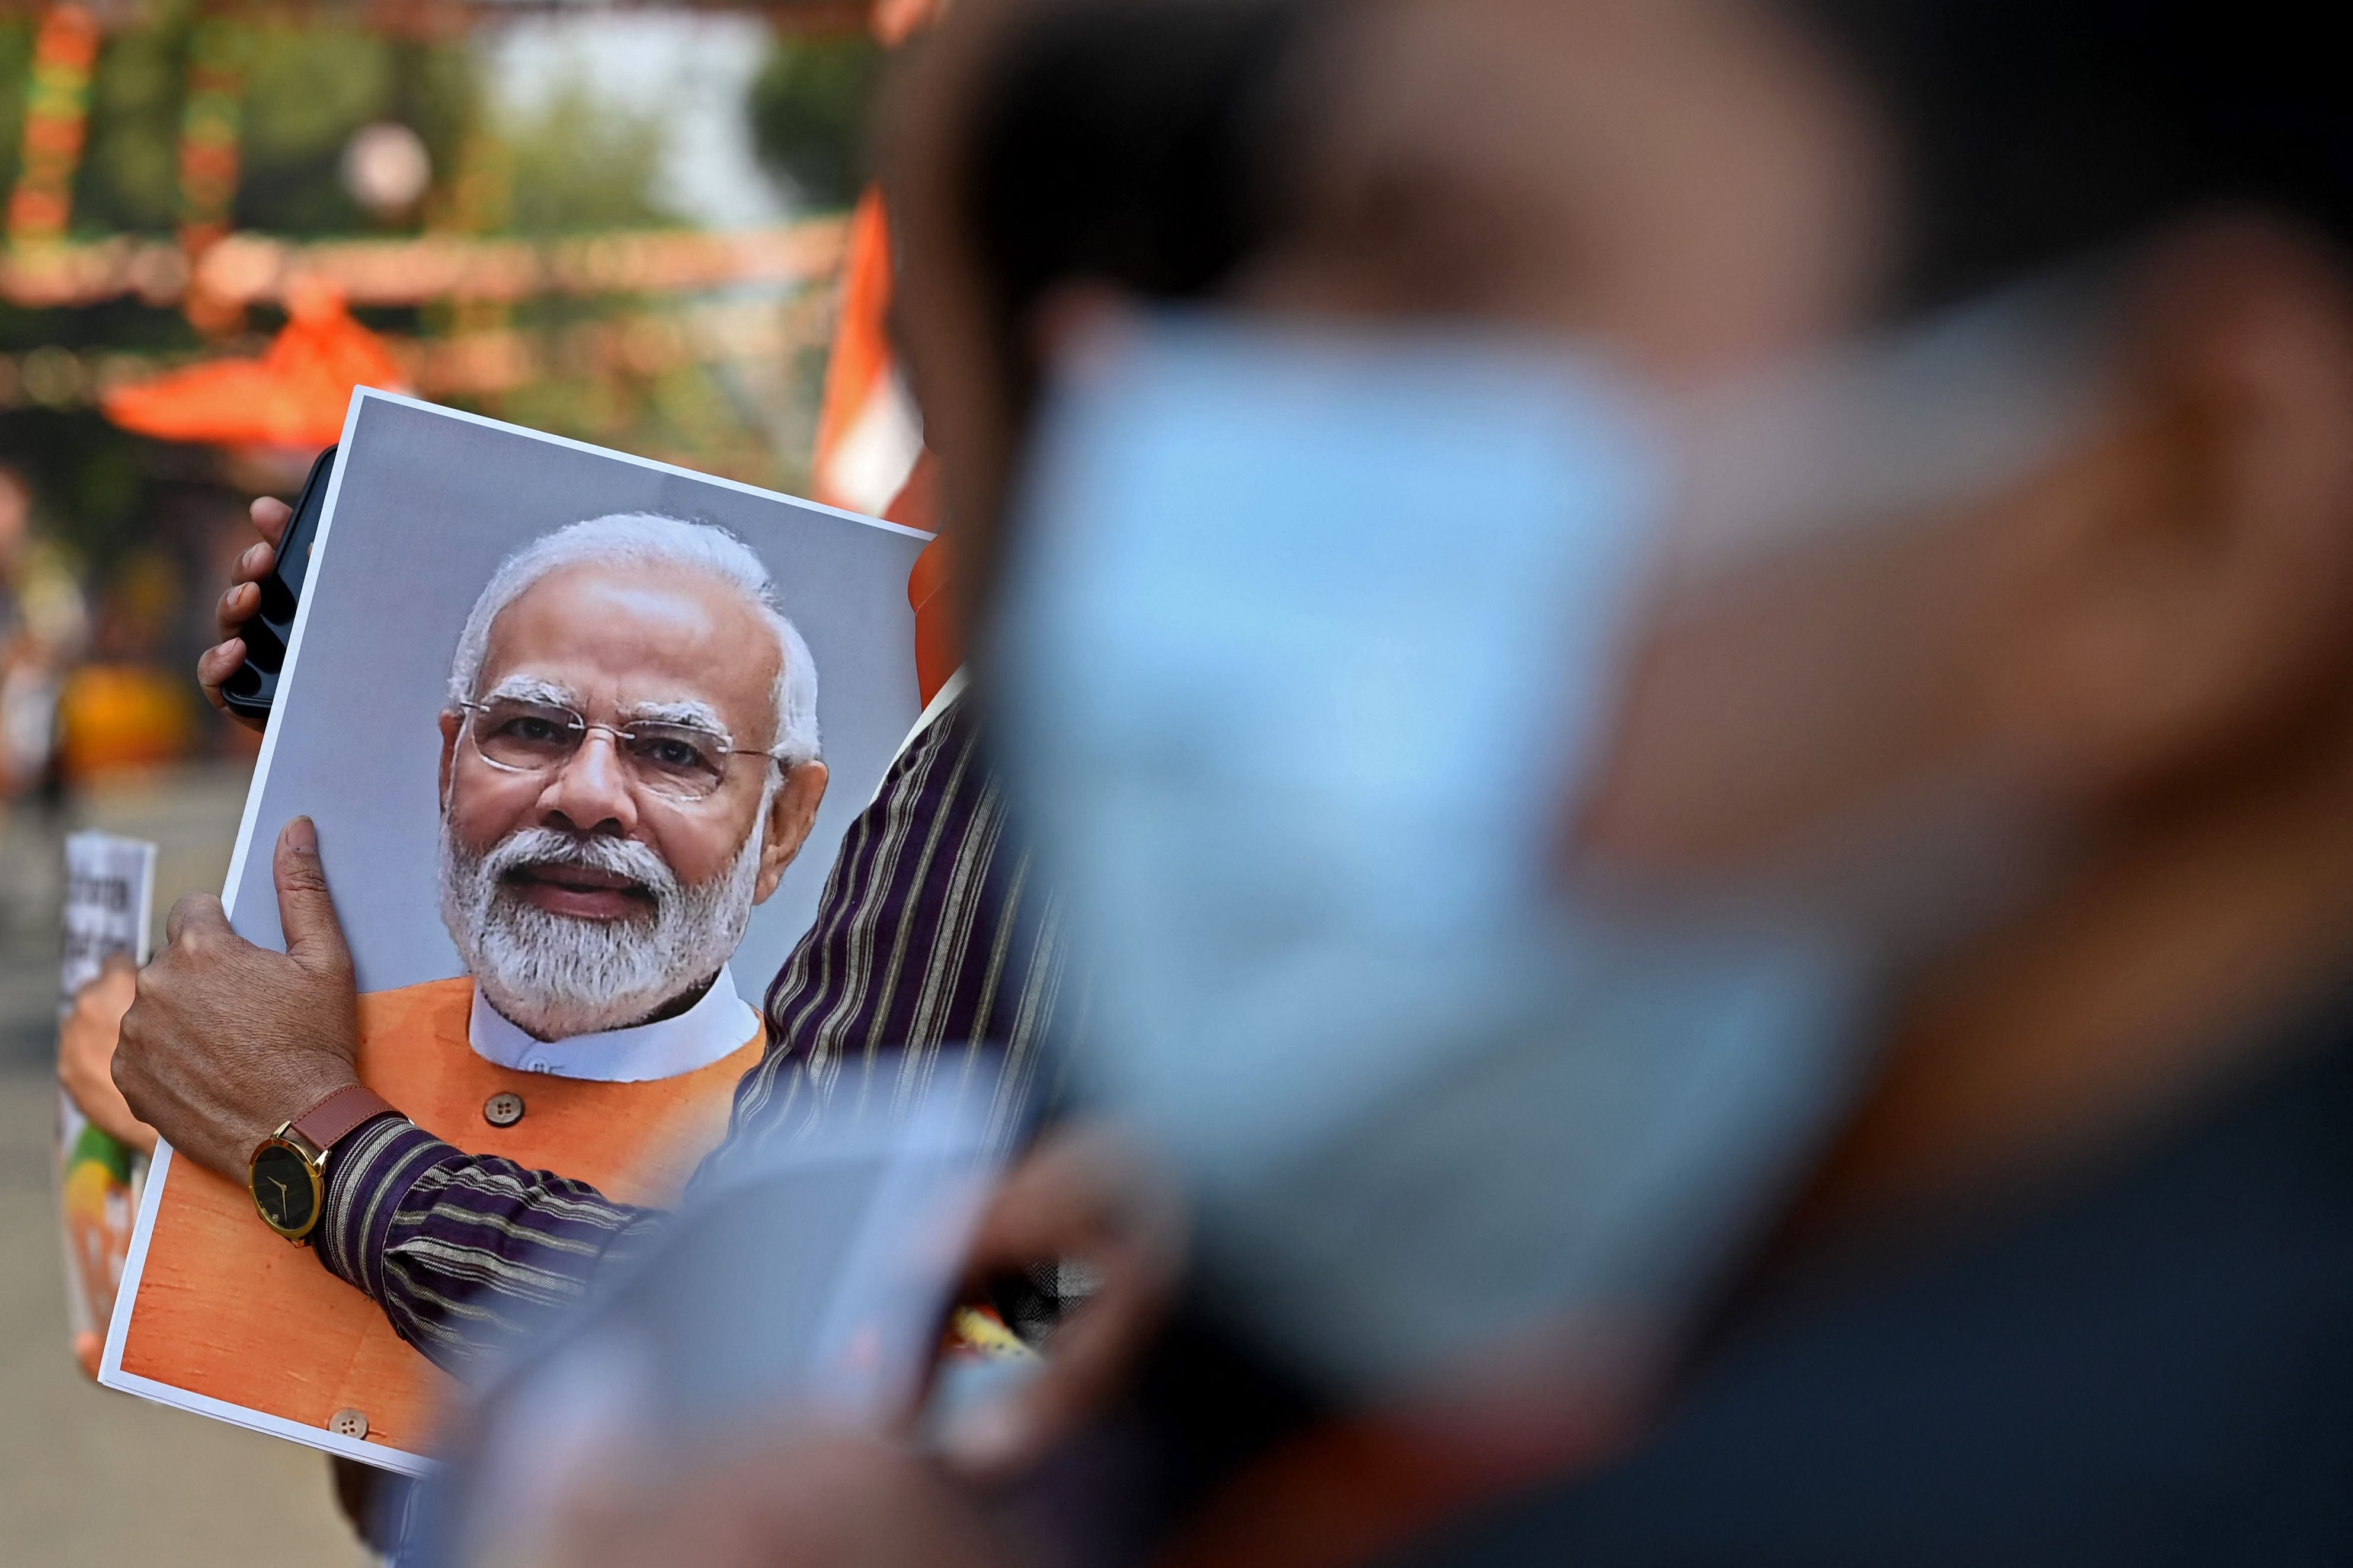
(288, 1173)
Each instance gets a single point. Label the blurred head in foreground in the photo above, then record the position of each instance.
(1645, 627)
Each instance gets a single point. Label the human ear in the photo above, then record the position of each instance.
(2182, 590)
(452, 726)
(791, 815)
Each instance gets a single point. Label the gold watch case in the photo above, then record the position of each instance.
(287, 1177)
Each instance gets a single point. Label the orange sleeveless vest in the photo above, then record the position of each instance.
(228, 1309)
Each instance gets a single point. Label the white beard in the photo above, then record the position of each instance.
(558, 975)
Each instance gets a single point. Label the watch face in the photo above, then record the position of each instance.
(284, 1188)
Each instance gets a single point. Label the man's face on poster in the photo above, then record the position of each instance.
(598, 877)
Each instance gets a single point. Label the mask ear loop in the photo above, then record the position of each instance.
(1964, 405)
(1890, 433)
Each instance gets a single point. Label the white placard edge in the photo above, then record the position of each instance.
(110, 1372)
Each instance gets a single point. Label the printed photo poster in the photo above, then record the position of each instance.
(109, 907)
(581, 734)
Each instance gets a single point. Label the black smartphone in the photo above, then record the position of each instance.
(254, 686)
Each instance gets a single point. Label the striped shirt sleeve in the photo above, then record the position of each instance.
(462, 1251)
(932, 941)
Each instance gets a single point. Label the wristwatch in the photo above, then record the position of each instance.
(287, 1176)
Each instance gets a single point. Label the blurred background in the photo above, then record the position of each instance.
(639, 226)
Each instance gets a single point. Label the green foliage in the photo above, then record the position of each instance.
(305, 90)
(580, 164)
(99, 487)
(309, 87)
(129, 171)
(16, 76)
(574, 164)
(809, 106)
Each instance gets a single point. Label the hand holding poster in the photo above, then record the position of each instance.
(580, 736)
(109, 899)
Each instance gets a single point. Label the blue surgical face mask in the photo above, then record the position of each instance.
(1310, 643)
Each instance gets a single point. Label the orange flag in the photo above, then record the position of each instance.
(869, 433)
(294, 395)
(870, 437)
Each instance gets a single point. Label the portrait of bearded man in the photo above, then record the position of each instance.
(628, 762)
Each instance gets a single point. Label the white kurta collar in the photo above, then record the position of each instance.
(719, 1025)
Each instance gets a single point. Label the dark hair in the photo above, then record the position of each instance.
(1125, 145)
(2032, 131)
(1139, 144)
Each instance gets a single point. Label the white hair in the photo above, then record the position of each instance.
(649, 539)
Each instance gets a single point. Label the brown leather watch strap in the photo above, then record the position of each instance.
(326, 1123)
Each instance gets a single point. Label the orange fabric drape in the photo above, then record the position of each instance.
(939, 634)
(860, 364)
(870, 452)
(295, 395)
